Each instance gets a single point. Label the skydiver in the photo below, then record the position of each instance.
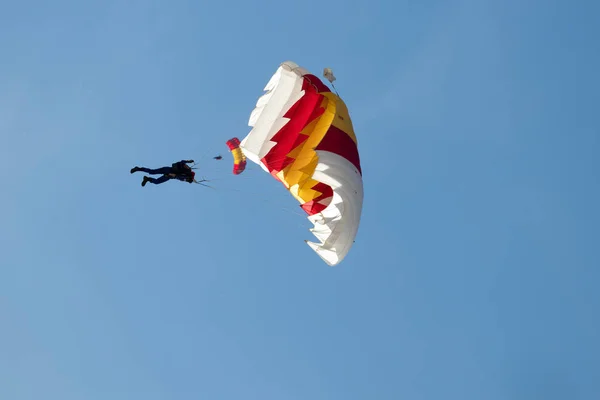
(179, 170)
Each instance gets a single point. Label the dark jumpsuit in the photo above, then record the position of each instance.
(178, 169)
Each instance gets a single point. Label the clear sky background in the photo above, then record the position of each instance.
(475, 271)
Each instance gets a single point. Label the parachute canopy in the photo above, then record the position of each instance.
(303, 136)
(239, 159)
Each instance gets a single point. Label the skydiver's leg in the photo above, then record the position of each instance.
(156, 181)
(157, 171)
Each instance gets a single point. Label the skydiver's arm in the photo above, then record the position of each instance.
(181, 163)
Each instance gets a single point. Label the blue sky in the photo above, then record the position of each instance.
(474, 272)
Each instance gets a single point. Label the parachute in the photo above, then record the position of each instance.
(328, 74)
(239, 159)
(303, 136)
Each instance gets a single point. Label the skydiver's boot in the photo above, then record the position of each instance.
(134, 169)
(145, 180)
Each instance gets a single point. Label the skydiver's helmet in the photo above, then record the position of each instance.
(190, 178)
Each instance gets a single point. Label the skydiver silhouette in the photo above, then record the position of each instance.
(179, 170)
